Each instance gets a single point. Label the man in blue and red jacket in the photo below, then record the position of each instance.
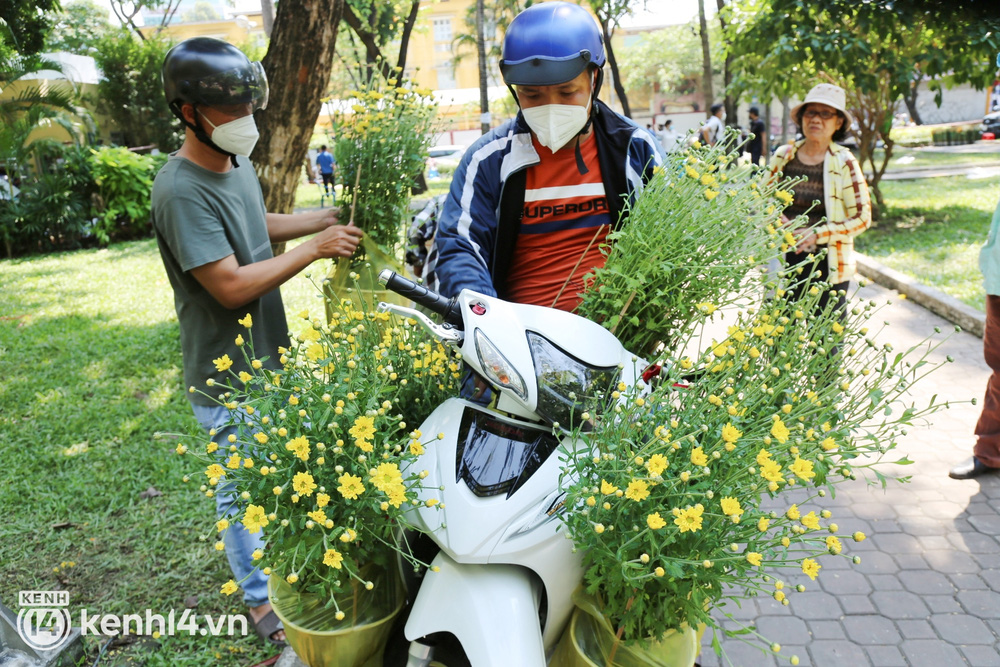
(532, 201)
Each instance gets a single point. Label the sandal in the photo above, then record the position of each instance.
(267, 626)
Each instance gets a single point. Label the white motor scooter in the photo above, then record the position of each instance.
(502, 580)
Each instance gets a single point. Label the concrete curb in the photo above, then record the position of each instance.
(934, 300)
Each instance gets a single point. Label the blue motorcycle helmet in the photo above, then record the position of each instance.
(551, 43)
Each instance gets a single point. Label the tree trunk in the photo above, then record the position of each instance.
(484, 98)
(267, 16)
(404, 40)
(613, 64)
(786, 117)
(373, 53)
(911, 101)
(706, 55)
(731, 102)
(298, 64)
(767, 137)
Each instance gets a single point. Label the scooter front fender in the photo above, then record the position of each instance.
(491, 609)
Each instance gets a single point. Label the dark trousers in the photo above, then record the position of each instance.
(987, 447)
(327, 181)
(800, 289)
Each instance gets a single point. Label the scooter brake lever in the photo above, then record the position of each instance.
(446, 332)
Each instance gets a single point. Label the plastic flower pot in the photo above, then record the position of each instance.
(590, 641)
(357, 640)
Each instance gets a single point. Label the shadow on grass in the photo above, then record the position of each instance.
(81, 403)
(916, 227)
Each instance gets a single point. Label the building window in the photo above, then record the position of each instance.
(442, 30)
(446, 76)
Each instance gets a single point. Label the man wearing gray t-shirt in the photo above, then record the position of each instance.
(215, 238)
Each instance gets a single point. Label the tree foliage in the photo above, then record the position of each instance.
(78, 27)
(609, 13)
(643, 63)
(131, 91)
(875, 50)
(24, 25)
(383, 30)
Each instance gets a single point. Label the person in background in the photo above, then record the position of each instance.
(533, 200)
(214, 235)
(713, 129)
(985, 457)
(668, 138)
(834, 195)
(759, 139)
(326, 164)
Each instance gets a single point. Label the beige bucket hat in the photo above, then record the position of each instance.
(829, 94)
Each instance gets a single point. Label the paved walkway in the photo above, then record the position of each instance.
(927, 590)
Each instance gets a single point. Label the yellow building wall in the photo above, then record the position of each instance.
(228, 30)
(430, 54)
(52, 130)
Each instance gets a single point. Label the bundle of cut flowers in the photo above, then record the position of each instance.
(317, 464)
(381, 144)
(693, 235)
(706, 482)
(682, 499)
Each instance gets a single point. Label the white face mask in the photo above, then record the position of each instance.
(556, 124)
(237, 136)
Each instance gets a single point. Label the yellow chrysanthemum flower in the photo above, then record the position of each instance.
(698, 457)
(731, 507)
(386, 475)
(303, 483)
(655, 521)
(350, 486)
(637, 490)
(690, 519)
(656, 464)
(333, 558)
(811, 568)
(780, 431)
(802, 468)
(754, 558)
(222, 363)
(299, 446)
(254, 518)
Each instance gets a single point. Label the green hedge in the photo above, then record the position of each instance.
(87, 197)
(936, 135)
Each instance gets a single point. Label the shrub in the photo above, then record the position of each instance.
(124, 180)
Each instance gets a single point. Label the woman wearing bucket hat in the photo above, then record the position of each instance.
(834, 195)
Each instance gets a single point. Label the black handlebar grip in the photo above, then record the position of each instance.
(447, 308)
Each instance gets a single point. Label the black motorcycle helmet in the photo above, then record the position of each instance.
(210, 72)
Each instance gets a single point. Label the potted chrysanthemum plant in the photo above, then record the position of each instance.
(317, 467)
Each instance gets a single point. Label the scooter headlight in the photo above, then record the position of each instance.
(498, 370)
(566, 385)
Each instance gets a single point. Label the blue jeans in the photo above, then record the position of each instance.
(240, 544)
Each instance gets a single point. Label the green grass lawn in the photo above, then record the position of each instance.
(933, 230)
(91, 359)
(309, 195)
(924, 158)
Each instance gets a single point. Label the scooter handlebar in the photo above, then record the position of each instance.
(447, 308)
